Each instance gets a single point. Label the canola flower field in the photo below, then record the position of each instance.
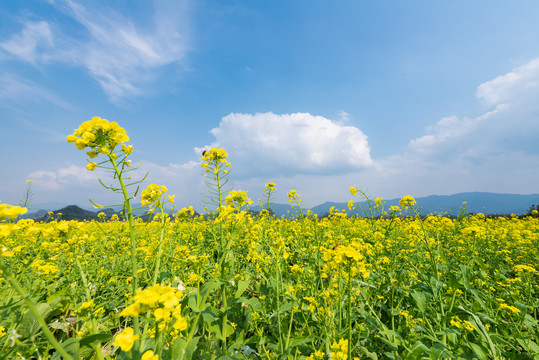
(233, 284)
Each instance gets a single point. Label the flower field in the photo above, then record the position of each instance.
(233, 284)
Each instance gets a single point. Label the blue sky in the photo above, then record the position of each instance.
(397, 97)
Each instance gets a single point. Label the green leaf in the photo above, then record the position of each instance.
(181, 350)
(208, 286)
(436, 286)
(478, 351)
(72, 347)
(95, 339)
(29, 325)
(192, 302)
(242, 286)
(420, 300)
(482, 331)
(439, 351)
(191, 348)
(178, 348)
(529, 346)
(416, 351)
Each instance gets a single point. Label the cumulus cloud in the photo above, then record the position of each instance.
(510, 124)
(494, 151)
(516, 86)
(118, 52)
(268, 143)
(64, 177)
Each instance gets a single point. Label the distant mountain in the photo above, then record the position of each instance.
(476, 202)
(74, 212)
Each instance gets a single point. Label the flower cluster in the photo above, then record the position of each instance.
(339, 350)
(344, 253)
(462, 324)
(215, 160)
(152, 195)
(185, 213)
(293, 196)
(10, 211)
(98, 134)
(126, 339)
(407, 201)
(269, 188)
(237, 199)
(163, 302)
(510, 309)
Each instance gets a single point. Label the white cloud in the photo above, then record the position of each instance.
(495, 151)
(119, 52)
(515, 86)
(16, 90)
(268, 143)
(65, 177)
(35, 37)
(512, 126)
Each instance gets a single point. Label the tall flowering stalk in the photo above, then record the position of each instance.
(154, 196)
(104, 138)
(216, 169)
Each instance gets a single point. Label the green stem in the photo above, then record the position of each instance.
(130, 221)
(93, 323)
(350, 311)
(160, 250)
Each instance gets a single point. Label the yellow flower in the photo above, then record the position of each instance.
(180, 324)
(10, 211)
(353, 190)
(152, 194)
(292, 196)
(127, 149)
(126, 339)
(92, 154)
(407, 201)
(91, 166)
(215, 160)
(509, 308)
(86, 305)
(149, 355)
(237, 199)
(6, 252)
(98, 134)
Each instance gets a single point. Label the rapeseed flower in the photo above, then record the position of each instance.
(339, 350)
(10, 211)
(407, 201)
(126, 339)
(152, 194)
(149, 355)
(237, 199)
(98, 134)
(215, 160)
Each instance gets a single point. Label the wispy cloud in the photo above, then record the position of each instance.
(120, 53)
(35, 39)
(14, 89)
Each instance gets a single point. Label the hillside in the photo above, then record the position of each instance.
(476, 202)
